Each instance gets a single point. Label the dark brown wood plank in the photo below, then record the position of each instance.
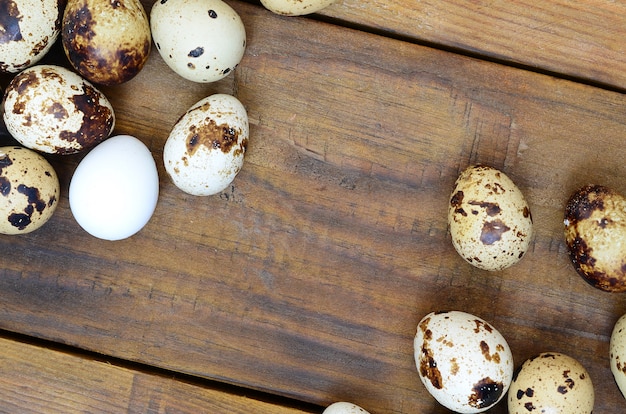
(580, 39)
(40, 380)
(307, 277)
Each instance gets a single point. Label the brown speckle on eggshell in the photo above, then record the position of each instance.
(489, 219)
(29, 190)
(462, 360)
(107, 42)
(551, 382)
(53, 110)
(28, 29)
(595, 234)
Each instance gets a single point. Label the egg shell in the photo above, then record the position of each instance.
(463, 361)
(551, 382)
(114, 190)
(201, 40)
(107, 42)
(296, 7)
(205, 149)
(617, 354)
(489, 219)
(30, 28)
(29, 190)
(51, 109)
(343, 407)
(595, 234)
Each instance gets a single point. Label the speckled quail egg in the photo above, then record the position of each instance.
(595, 234)
(617, 353)
(463, 361)
(205, 149)
(489, 219)
(296, 7)
(107, 41)
(343, 407)
(551, 382)
(28, 29)
(201, 40)
(53, 110)
(29, 190)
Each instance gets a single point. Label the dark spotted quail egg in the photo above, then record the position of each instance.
(296, 7)
(595, 234)
(617, 353)
(489, 219)
(29, 190)
(205, 149)
(53, 110)
(551, 383)
(201, 40)
(463, 361)
(28, 29)
(107, 41)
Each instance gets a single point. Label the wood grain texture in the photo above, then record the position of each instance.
(307, 277)
(581, 39)
(40, 380)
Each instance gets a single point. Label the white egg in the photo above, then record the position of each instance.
(296, 7)
(201, 40)
(51, 109)
(343, 407)
(463, 361)
(205, 149)
(29, 29)
(114, 190)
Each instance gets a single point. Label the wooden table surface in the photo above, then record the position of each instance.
(302, 283)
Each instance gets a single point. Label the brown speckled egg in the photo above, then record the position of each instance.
(52, 109)
(107, 41)
(463, 361)
(617, 354)
(205, 149)
(296, 7)
(595, 234)
(551, 383)
(29, 190)
(28, 29)
(489, 219)
(201, 40)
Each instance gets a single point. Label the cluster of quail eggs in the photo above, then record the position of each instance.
(50, 109)
(463, 361)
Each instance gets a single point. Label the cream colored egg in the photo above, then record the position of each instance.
(489, 219)
(595, 226)
(551, 382)
(205, 149)
(52, 109)
(296, 7)
(617, 353)
(343, 407)
(463, 361)
(201, 40)
(107, 41)
(28, 29)
(29, 190)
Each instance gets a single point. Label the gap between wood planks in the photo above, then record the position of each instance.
(164, 373)
(474, 54)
